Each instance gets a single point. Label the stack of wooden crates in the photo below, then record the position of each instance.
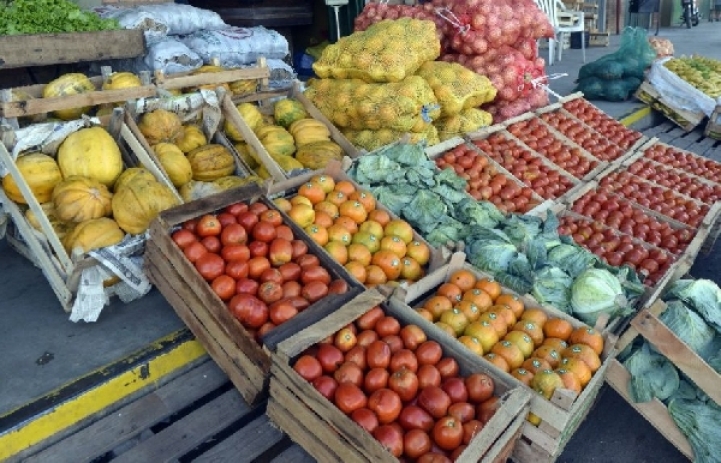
(590, 9)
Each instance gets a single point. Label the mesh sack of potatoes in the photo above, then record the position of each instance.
(406, 106)
(456, 87)
(468, 120)
(373, 139)
(388, 51)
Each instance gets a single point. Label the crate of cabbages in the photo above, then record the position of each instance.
(81, 197)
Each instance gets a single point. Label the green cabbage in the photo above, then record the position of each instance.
(493, 256)
(572, 259)
(700, 422)
(552, 286)
(595, 292)
(704, 296)
(652, 375)
(688, 326)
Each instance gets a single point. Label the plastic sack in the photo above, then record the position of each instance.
(468, 120)
(456, 87)
(371, 140)
(595, 88)
(666, 78)
(164, 19)
(168, 54)
(663, 47)
(281, 74)
(632, 58)
(238, 46)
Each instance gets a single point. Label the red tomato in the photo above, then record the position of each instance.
(280, 252)
(249, 310)
(405, 383)
(349, 397)
(394, 342)
(388, 326)
(224, 287)
(412, 336)
(290, 271)
(194, 251)
(236, 208)
(378, 354)
(326, 386)
(256, 266)
(330, 357)
(462, 411)
(314, 291)
(366, 419)
(456, 454)
(263, 330)
(281, 312)
(416, 442)
(403, 358)
(291, 289)
(349, 372)
(480, 387)
(428, 375)
(390, 438)
(248, 220)
(257, 208)
(434, 457)
(210, 266)
(357, 355)
(338, 287)
(211, 243)
(486, 410)
(263, 231)
(376, 378)
(271, 216)
(447, 367)
(246, 286)
(312, 273)
(365, 338)
(233, 233)
(300, 248)
(470, 429)
(183, 238)
(456, 389)
(191, 225)
(272, 274)
(208, 225)
(368, 320)
(307, 260)
(308, 367)
(226, 219)
(414, 417)
(429, 353)
(386, 404)
(434, 400)
(448, 433)
(269, 292)
(285, 232)
(235, 252)
(299, 302)
(258, 249)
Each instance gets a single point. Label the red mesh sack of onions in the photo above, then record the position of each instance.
(503, 110)
(376, 12)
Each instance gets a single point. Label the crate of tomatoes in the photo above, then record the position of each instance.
(368, 384)
(243, 276)
(536, 347)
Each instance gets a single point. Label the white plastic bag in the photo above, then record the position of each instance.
(237, 46)
(164, 19)
(170, 55)
(677, 91)
(281, 74)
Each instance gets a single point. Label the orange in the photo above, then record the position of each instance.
(327, 207)
(372, 227)
(464, 279)
(557, 343)
(375, 275)
(399, 228)
(347, 223)
(425, 314)
(312, 191)
(301, 200)
(325, 182)
(317, 234)
(380, 216)
(411, 270)
(504, 312)
(588, 336)
(472, 344)
(549, 354)
(366, 198)
(535, 315)
(469, 309)
(546, 382)
(389, 262)
(531, 329)
(437, 305)
(336, 197)
(359, 253)
(419, 251)
(448, 329)
(512, 301)
(302, 214)
(366, 239)
(522, 375)
(451, 291)
(557, 328)
(498, 323)
(478, 297)
(337, 251)
(579, 369)
(340, 234)
(522, 340)
(357, 270)
(583, 352)
(535, 364)
(510, 352)
(394, 245)
(570, 381)
(345, 187)
(282, 204)
(484, 332)
(498, 361)
(491, 286)
(322, 219)
(455, 319)
(354, 210)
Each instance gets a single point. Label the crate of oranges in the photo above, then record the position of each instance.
(374, 245)
(546, 350)
(367, 384)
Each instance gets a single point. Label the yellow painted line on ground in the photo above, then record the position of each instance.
(98, 398)
(636, 116)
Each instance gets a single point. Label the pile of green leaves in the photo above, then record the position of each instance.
(434, 202)
(48, 16)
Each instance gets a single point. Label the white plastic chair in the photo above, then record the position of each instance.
(564, 22)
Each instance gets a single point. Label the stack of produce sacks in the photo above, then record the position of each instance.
(382, 83)
(494, 39)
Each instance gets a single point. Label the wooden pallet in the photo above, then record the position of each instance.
(599, 39)
(329, 435)
(685, 119)
(560, 416)
(228, 342)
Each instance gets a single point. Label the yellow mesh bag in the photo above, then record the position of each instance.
(456, 87)
(406, 106)
(373, 139)
(388, 51)
(468, 120)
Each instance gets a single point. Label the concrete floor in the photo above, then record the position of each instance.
(34, 326)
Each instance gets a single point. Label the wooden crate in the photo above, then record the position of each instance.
(599, 39)
(560, 416)
(187, 80)
(328, 435)
(231, 345)
(687, 120)
(62, 270)
(713, 126)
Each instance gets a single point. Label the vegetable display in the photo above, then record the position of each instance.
(599, 145)
(602, 123)
(399, 386)
(701, 72)
(48, 16)
(677, 178)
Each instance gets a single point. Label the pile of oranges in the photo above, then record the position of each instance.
(375, 248)
(544, 353)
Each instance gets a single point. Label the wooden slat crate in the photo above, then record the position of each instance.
(599, 39)
(713, 126)
(687, 120)
(62, 270)
(329, 435)
(228, 342)
(260, 73)
(564, 412)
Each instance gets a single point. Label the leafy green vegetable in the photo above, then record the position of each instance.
(704, 296)
(392, 199)
(701, 423)
(572, 259)
(518, 284)
(596, 292)
(425, 210)
(652, 375)
(537, 254)
(448, 177)
(493, 256)
(372, 169)
(522, 228)
(688, 326)
(47, 16)
(470, 211)
(552, 286)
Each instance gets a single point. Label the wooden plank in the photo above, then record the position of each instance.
(190, 431)
(209, 78)
(295, 454)
(104, 435)
(69, 47)
(245, 445)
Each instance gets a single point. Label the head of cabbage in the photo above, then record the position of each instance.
(596, 292)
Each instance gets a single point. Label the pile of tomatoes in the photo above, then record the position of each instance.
(543, 352)
(255, 264)
(602, 123)
(549, 183)
(683, 160)
(536, 136)
(623, 216)
(485, 182)
(660, 199)
(617, 249)
(396, 384)
(598, 145)
(677, 179)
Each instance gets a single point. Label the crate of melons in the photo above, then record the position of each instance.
(368, 384)
(279, 135)
(358, 232)
(243, 276)
(538, 347)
